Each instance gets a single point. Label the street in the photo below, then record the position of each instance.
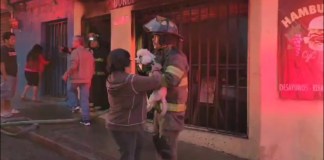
(22, 149)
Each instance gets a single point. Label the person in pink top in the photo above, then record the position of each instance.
(34, 68)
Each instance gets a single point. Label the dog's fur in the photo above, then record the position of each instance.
(145, 57)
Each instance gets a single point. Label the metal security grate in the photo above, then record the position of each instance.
(215, 41)
(55, 36)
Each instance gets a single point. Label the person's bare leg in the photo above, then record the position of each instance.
(23, 95)
(35, 93)
(5, 108)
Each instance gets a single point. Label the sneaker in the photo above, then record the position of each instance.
(97, 107)
(86, 123)
(76, 109)
(6, 115)
(92, 109)
(14, 111)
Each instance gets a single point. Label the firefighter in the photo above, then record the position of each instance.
(166, 40)
(98, 93)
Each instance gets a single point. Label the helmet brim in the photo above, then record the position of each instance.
(161, 25)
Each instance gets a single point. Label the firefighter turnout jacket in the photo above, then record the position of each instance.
(175, 77)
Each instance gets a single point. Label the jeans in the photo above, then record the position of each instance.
(84, 98)
(130, 144)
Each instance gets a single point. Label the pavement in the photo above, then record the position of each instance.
(22, 149)
(77, 142)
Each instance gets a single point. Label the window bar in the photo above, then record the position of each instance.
(227, 69)
(64, 43)
(54, 57)
(217, 109)
(238, 98)
(61, 58)
(46, 54)
(51, 52)
(58, 56)
(191, 105)
(208, 68)
(199, 61)
(58, 60)
(64, 57)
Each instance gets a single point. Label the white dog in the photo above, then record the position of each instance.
(145, 57)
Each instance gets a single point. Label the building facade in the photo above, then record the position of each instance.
(234, 104)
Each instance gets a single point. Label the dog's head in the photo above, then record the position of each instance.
(144, 57)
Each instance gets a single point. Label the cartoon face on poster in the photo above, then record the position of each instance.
(300, 49)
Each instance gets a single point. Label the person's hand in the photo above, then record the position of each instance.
(156, 67)
(163, 92)
(65, 77)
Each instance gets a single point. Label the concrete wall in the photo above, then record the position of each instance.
(30, 33)
(290, 129)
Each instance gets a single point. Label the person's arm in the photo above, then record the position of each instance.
(43, 60)
(3, 71)
(175, 71)
(3, 58)
(147, 83)
(74, 65)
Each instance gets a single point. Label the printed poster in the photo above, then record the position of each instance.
(300, 49)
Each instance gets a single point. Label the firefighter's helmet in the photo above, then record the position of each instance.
(162, 25)
(93, 37)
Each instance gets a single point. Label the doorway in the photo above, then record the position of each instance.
(55, 36)
(99, 25)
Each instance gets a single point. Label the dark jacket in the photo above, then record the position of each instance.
(128, 100)
(175, 78)
(100, 55)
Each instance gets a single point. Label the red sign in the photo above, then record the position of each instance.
(14, 24)
(300, 49)
(120, 3)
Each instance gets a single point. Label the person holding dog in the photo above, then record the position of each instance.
(166, 41)
(128, 101)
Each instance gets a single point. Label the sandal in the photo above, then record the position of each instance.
(14, 111)
(6, 115)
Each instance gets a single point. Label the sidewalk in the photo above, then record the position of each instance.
(94, 142)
